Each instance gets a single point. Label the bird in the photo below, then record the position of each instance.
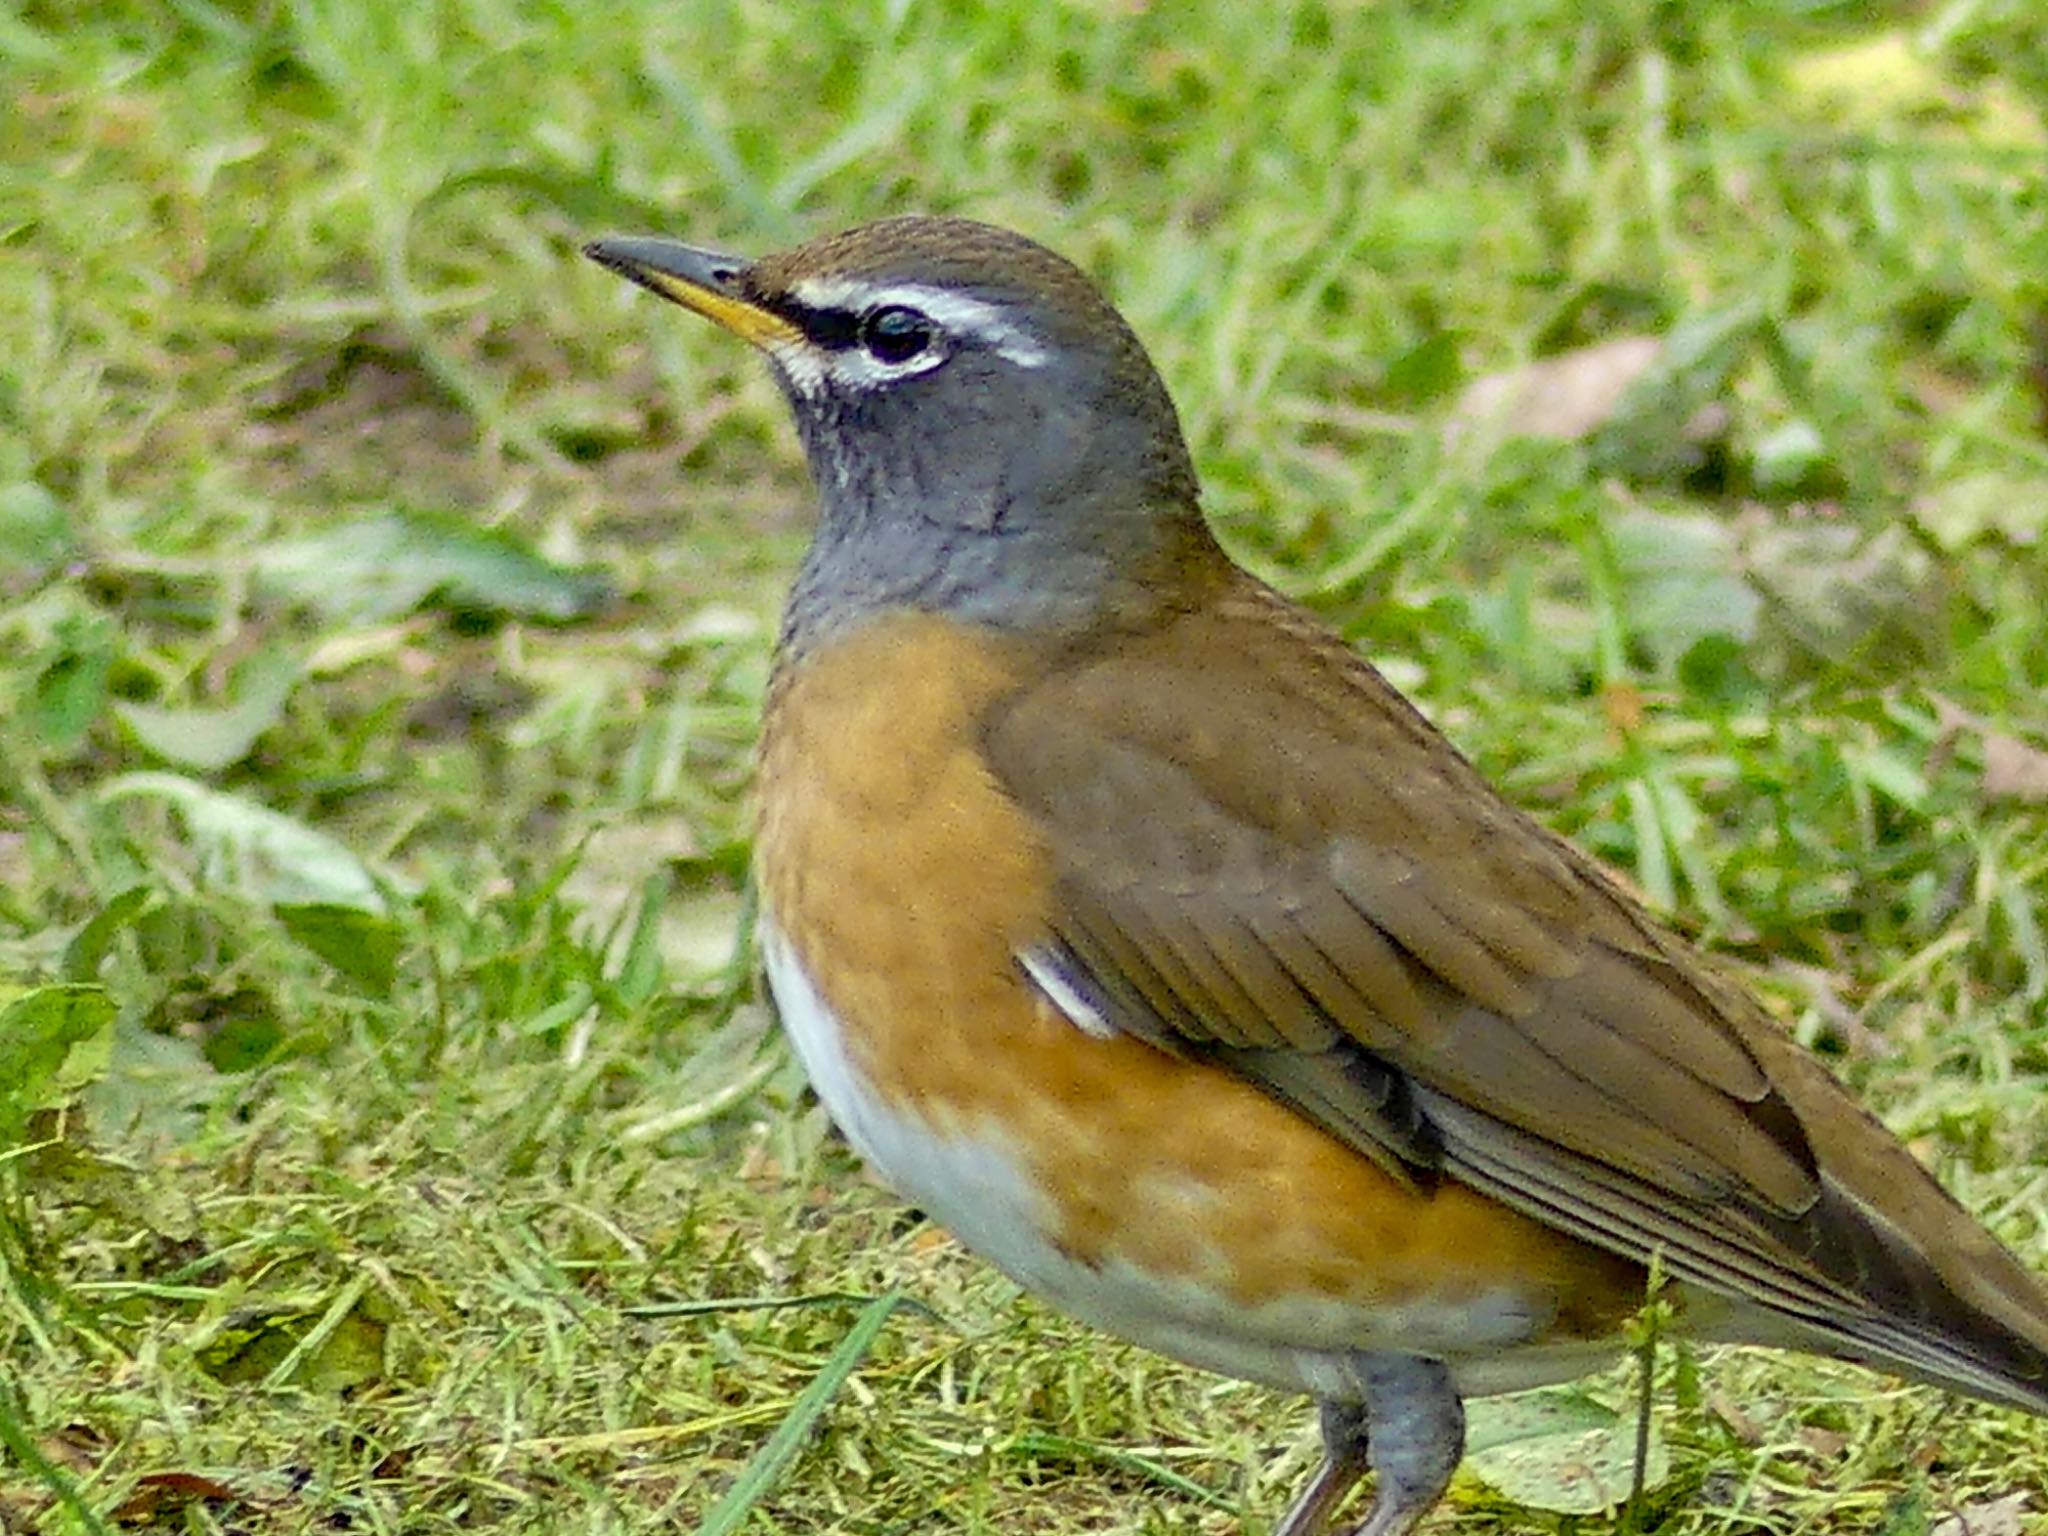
(1130, 924)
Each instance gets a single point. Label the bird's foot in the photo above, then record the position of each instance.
(1409, 1431)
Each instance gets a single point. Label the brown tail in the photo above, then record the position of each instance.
(1944, 1302)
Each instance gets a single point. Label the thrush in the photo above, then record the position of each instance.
(1139, 931)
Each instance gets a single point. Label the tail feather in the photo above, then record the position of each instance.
(1967, 1317)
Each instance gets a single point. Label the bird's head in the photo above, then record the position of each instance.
(987, 434)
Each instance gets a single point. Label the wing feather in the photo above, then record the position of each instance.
(1287, 872)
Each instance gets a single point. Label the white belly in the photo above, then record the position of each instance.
(968, 1186)
(979, 1193)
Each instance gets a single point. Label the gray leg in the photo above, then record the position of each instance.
(1417, 1425)
(1346, 1458)
(1410, 1430)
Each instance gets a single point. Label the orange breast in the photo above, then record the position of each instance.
(907, 884)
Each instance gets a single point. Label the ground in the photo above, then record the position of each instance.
(392, 1134)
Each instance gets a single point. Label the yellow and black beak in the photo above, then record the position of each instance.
(705, 281)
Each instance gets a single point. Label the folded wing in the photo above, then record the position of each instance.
(1303, 883)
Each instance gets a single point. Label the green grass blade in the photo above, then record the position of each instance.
(790, 1434)
(15, 1438)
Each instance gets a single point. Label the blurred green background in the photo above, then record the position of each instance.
(391, 1135)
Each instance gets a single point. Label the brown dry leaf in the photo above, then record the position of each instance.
(761, 1163)
(77, 1448)
(2014, 770)
(1569, 396)
(1827, 1444)
(1623, 704)
(1736, 1417)
(1987, 1517)
(158, 1495)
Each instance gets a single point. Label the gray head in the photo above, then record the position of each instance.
(988, 437)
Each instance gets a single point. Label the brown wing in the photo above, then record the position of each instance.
(1287, 871)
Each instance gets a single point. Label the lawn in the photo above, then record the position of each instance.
(393, 1134)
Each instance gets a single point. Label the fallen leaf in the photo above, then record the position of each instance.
(1827, 1444)
(77, 1448)
(1559, 1451)
(1987, 1517)
(382, 567)
(1567, 397)
(2014, 770)
(211, 738)
(1845, 596)
(1736, 1417)
(1661, 430)
(250, 847)
(157, 1494)
(1682, 581)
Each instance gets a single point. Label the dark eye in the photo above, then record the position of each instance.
(896, 334)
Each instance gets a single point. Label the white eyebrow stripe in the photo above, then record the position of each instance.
(960, 313)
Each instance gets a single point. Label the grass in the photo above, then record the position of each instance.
(386, 596)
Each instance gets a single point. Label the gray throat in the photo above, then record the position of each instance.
(1031, 574)
(1044, 500)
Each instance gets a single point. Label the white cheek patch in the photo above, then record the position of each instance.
(802, 364)
(957, 314)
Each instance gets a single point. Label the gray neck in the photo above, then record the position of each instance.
(1032, 575)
